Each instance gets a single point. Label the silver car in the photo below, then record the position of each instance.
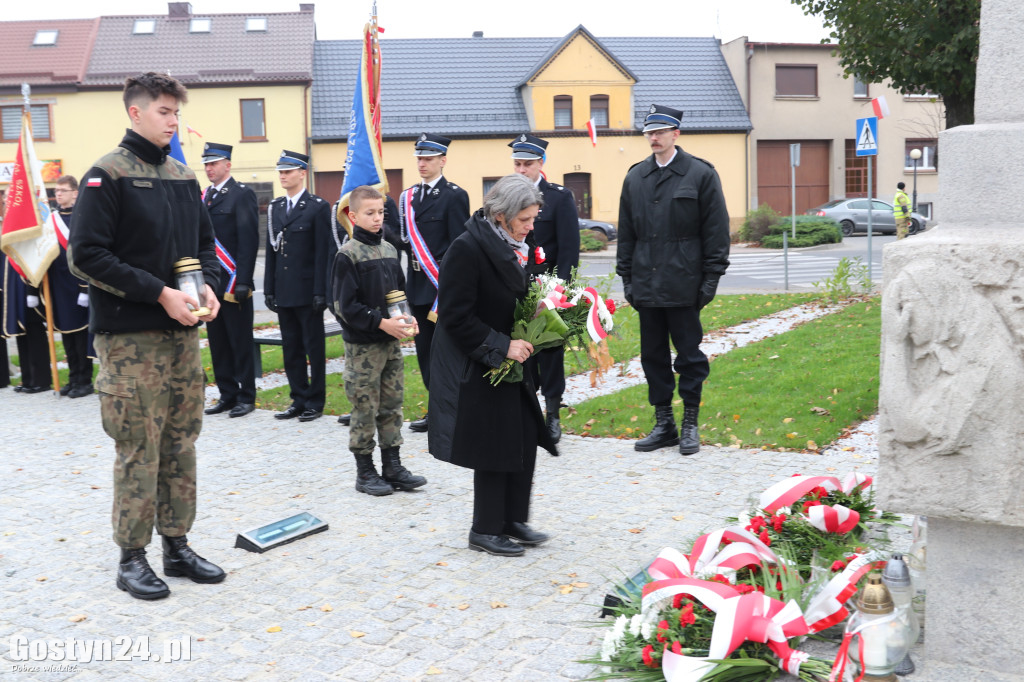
(852, 216)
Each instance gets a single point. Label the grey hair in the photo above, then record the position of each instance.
(510, 195)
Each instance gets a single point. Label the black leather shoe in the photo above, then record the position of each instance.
(498, 545)
(218, 407)
(291, 413)
(34, 389)
(135, 577)
(345, 419)
(241, 409)
(19, 389)
(419, 426)
(525, 535)
(65, 389)
(180, 561)
(80, 391)
(310, 415)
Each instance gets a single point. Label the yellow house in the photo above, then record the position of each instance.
(249, 78)
(482, 92)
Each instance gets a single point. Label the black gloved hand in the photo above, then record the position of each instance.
(319, 304)
(242, 292)
(271, 302)
(627, 292)
(707, 291)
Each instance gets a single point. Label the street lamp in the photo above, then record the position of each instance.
(915, 154)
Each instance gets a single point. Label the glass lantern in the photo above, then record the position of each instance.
(885, 633)
(188, 276)
(896, 578)
(398, 306)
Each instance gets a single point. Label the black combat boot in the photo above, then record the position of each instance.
(689, 443)
(181, 561)
(397, 475)
(664, 432)
(551, 420)
(368, 480)
(135, 577)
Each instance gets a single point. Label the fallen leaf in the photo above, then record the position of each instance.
(787, 420)
(811, 445)
(78, 619)
(462, 607)
(274, 628)
(441, 563)
(304, 608)
(636, 530)
(232, 492)
(310, 624)
(326, 608)
(820, 410)
(679, 517)
(76, 472)
(41, 579)
(498, 605)
(580, 585)
(571, 575)
(356, 634)
(433, 671)
(95, 487)
(432, 606)
(565, 589)
(633, 418)
(774, 357)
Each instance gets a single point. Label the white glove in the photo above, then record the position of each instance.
(83, 300)
(32, 301)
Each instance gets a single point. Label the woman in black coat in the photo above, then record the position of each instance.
(493, 430)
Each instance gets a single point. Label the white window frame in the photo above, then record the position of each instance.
(200, 25)
(144, 27)
(255, 24)
(45, 37)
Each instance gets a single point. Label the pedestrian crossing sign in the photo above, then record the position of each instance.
(867, 136)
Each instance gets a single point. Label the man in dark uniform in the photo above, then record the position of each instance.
(439, 211)
(295, 284)
(70, 298)
(234, 212)
(556, 231)
(673, 248)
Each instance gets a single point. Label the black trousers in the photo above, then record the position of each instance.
(34, 352)
(302, 338)
(231, 351)
(548, 368)
(76, 350)
(423, 340)
(5, 364)
(501, 497)
(682, 326)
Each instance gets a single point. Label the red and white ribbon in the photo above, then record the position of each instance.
(827, 607)
(833, 518)
(556, 298)
(707, 559)
(786, 492)
(599, 320)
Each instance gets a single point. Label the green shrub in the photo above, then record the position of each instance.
(758, 222)
(591, 240)
(810, 231)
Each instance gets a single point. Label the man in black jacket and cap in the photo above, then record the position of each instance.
(673, 248)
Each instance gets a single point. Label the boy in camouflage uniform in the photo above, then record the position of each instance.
(365, 269)
(138, 212)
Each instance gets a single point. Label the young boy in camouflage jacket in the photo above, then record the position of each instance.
(365, 269)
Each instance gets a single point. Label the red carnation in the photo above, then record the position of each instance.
(687, 617)
(777, 522)
(663, 627)
(811, 503)
(719, 578)
(838, 566)
(648, 658)
(743, 588)
(677, 601)
(819, 492)
(756, 524)
(763, 537)
(677, 648)
(610, 304)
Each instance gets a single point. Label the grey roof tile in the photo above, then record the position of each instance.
(468, 86)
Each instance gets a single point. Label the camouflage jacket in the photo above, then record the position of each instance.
(365, 269)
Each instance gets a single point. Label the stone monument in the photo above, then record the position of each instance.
(952, 379)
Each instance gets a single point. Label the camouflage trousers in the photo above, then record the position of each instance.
(150, 386)
(375, 385)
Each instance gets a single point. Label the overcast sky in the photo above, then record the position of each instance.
(760, 20)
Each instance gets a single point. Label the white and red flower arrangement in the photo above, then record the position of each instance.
(551, 315)
(737, 606)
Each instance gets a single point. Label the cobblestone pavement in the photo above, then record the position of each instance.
(390, 592)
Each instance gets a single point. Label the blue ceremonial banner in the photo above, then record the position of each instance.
(176, 151)
(363, 162)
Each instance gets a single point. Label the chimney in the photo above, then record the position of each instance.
(306, 7)
(478, 34)
(179, 10)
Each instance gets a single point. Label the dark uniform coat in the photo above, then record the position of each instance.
(673, 231)
(68, 316)
(234, 211)
(474, 424)
(297, 271)
(557, 229)
(441, 217)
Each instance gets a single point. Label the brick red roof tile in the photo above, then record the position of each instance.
(62, 63)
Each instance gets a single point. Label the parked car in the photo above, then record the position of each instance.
(597, 226)
(852, 216)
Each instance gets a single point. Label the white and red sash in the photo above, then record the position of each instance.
(61, 228)
(420, 250)
(228, 263)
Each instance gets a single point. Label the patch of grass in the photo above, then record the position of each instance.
(764, 394)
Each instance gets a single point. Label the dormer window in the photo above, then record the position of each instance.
(143, 26)
(200, 25)
(45, 38)
(254, 24)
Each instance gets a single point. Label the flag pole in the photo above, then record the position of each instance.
(26, 93)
